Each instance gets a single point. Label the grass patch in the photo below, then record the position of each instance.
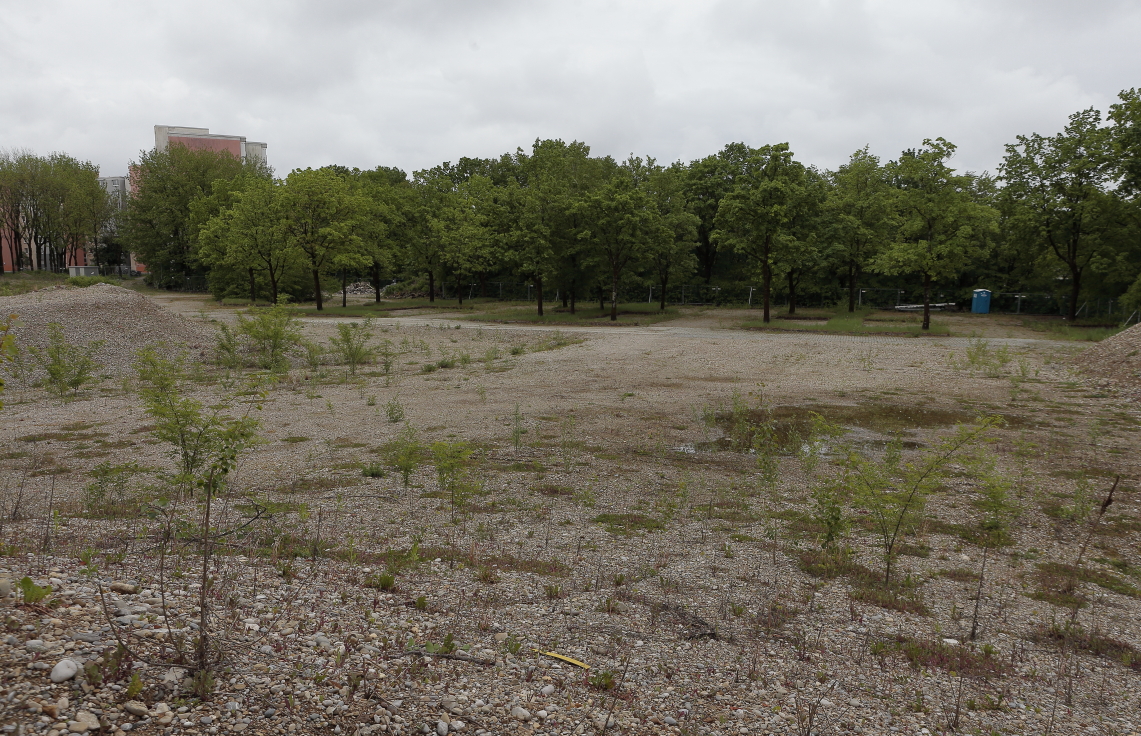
(634, 313)
(922, 654)
(867, 585)
(629, 523)
(550, 489)
(1062, 579)
(1077, 331)
(960, 575)
(860, 322)
(271, 507)
(1091, 642)
(293, 439)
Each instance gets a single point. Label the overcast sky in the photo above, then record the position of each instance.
(414, 83)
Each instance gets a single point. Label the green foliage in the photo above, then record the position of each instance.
(373, 470)
(159, 224)
(449, 458)
(943, 220)
(405, 453)
(68, 367)
(85, 281)
(394, 410)
(603, 679)
(31, 592)
(894, 491)
(351, 344)
(110, 494)
(199, 436)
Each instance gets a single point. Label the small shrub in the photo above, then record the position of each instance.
(553, 592)
(518, 350)
(512, 645)
(485, 574)
(351, 344)
(381, 581)
(421, 604)
(84, 281)
(68, 367)
(603, 680)
(394, 410)
(373, 470)
(33, 593)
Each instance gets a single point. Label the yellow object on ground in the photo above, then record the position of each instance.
(563, 657)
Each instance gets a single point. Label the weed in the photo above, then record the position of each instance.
(382, 581)
(487, 575)
(351, 344)
(33, 593)
(603, 679)
(68, 367)
(394, 410)
(629, 523)
(373, 470)
(553, 592)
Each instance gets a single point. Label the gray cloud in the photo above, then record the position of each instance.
(411, 84)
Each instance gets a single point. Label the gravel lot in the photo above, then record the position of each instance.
(706, 621)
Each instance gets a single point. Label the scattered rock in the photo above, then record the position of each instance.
(64, 670)
(135, 708)
(520, 714)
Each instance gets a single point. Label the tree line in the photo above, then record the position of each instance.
(52, 208)
(1060, 217)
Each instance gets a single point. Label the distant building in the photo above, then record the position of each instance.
(201, 139)
(117, 188)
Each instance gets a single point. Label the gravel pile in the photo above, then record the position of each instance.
(123, 319)
(1117, 357)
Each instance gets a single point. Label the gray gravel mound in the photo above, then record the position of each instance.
(123, 319)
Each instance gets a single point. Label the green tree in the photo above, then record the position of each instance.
(617, 224)
(249, 234)
(320, 214)
(157, 224)
(767, 194)
(672, 230)
(858, 211)
(943, 225)
(199, 435)
(1059, 186)
(707, 181)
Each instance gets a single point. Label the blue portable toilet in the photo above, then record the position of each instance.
(980, 303)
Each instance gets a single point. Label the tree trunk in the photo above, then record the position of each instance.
(431, 286)
(851, 286)
(376, 281)
(927, 301)
(979, 595)
(317, 289)
(766, 284)
(614, 296)
(565, 296)
(482, 285)
(539, 293)
(1075, 292)
(273, 286)
(665, 281)
(253, 289)
(344, 289)
(791, 292)
(459, 290)
(601, 298)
